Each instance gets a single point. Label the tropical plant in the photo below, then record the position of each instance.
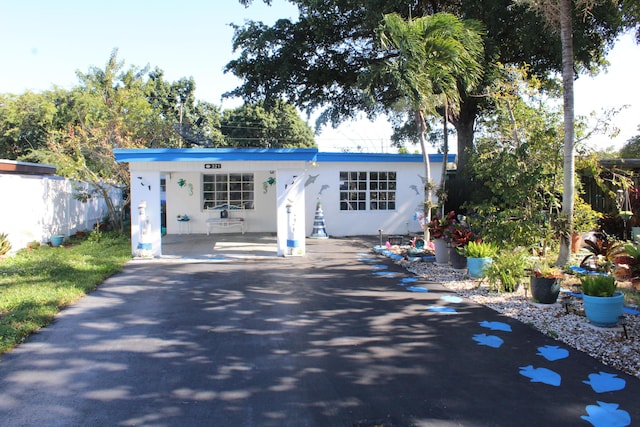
(429, 62)
(507, 270)
(598, 285)
(630, 260)
(5, 244)
(480, 250)
(603, 253)
(441, 228)
(546, 271)
(460, 234)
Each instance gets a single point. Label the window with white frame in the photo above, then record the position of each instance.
(232, 189)
(361, 191)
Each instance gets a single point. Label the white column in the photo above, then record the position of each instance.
(145, 187)
(291, 212)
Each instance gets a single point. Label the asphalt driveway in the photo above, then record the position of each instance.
(341, 337)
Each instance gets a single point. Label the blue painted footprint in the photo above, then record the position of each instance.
(607, 415)
(553, 352)
(496, 326)
(604, 382)
(441, 309)
(541, 375)
(405, 281)
(488, 340)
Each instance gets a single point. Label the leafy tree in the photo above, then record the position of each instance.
(631, 148)
(428, 60)
(278, 126)
(109, 109)
(316, 62)
(517, 160)
(181, 119)
(25, 121)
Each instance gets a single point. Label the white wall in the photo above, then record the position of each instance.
(351, 223)
(187, 199)
(35, 208)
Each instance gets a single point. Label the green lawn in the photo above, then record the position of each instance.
(35, 284)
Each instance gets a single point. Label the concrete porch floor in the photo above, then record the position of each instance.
(218, 247)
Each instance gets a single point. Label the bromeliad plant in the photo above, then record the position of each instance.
(603, 253)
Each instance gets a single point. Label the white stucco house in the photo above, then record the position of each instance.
(273, 190)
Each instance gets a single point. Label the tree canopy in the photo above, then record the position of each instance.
(315, 62)
(117, 107)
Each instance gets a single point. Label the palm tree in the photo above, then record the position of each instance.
(431, 61)
(559, 14)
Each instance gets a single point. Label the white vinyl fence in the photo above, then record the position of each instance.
(34, 208)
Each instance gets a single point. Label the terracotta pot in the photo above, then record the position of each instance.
(576, 242)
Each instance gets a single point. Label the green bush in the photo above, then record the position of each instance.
(480, 250)
(598, 285)
(507, 270)
(5, 245)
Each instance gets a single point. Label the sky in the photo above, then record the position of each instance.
(45, 42)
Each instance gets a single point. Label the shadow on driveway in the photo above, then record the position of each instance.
(335, 338)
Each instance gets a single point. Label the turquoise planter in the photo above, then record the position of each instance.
(604, 311)
(478, 266)
(56, 240)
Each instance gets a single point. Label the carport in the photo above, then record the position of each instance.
(273, 196)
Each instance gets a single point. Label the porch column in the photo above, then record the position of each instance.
(290, 212)
(145, 187)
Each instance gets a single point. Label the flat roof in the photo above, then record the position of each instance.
(213, 154)
(25, 168)
(262, 154)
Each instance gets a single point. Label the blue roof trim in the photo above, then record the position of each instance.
(133, 155)
(213, 154)
(382, 157)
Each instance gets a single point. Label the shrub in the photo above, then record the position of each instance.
(507, 270)
(5, 245)
(480, 250)
(598, 285)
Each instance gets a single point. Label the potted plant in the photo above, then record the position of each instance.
(460, 236)
(603, 304)
(544, 282)
(439, 229)
(603, 252)
(479, 257)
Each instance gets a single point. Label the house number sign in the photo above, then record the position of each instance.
(213, 165)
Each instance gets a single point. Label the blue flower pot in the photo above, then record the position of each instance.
(478, 266)
(56, 240)
(604, 311)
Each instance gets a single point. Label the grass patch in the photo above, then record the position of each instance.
(35, 284)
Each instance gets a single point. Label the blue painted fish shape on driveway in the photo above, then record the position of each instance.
(541, 375)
